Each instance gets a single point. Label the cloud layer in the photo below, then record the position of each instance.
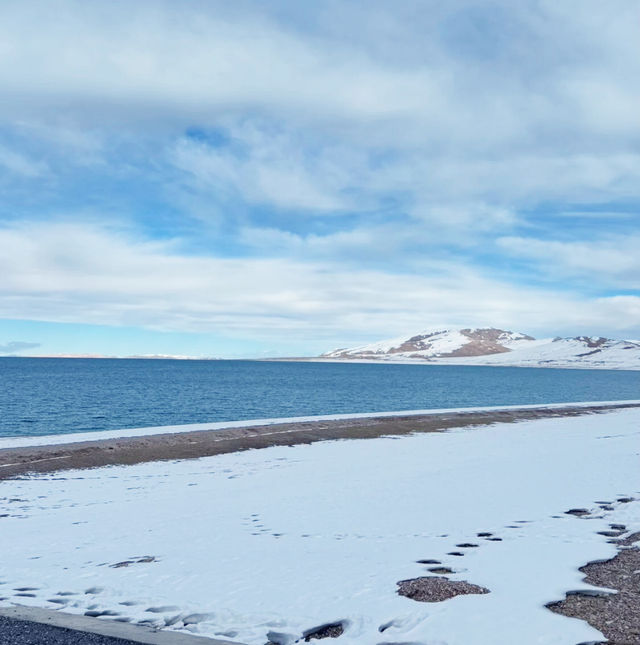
(327, 170)
(15, 346)
(68, 273)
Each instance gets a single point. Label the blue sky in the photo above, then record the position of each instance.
(252, 179)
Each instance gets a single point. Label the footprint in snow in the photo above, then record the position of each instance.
(96, 613)
(441, 570)
(610, 534)
(578, 512)
(148, 623)
(194, 619)
(172, 620)
(161, 610)
(144, 559)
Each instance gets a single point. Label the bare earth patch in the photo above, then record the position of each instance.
(436, 588)
(617, 616)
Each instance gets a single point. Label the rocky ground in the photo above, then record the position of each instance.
(616, 615)
(22, 632)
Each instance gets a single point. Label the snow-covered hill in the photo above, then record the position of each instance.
(491, 346)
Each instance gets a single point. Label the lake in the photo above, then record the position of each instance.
(41, 396)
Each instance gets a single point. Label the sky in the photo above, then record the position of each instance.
(248, 179)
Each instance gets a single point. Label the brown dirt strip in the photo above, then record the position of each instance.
(15, 462)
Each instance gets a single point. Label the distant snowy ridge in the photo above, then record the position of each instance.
(491, 346)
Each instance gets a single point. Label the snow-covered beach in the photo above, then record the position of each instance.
(267, 545)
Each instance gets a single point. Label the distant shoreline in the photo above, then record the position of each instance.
(321, 359)
(443, 362)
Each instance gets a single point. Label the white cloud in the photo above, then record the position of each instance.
(468, 192)
(19, 164)
(189, 61)
(558, 78)
(269, 168)
(71, 273)
(75, 145)
(612, 261)
(515, 180)
(439, 105)
(433, 127)
(17, 346)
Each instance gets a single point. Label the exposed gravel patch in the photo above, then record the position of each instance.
(332, 630)
(617, 616)
(436, 588)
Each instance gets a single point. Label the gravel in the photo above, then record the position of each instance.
(617, 616)
(436, 588)
(22, 632)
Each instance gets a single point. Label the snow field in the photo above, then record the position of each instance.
(270, 543)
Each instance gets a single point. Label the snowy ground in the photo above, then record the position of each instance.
(282, 539)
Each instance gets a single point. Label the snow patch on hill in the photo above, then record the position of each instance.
(490, 346)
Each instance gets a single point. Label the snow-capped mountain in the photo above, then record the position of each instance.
(491, 346)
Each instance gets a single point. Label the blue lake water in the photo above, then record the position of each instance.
(41, 396)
